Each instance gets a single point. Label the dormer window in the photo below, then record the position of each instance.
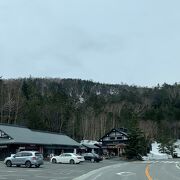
(4, 135)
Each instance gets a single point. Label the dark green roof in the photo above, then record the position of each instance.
(24, 135)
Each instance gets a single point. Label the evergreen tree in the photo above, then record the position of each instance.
(167, 145)
(137, 144)
(165, 139)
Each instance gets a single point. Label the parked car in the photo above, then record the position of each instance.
(71, 158)
(27, 158)
(93, 157)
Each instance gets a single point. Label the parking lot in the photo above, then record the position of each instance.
(50, 171)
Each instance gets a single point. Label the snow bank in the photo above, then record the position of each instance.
(155, 154)
(177, 148)
(90, 142)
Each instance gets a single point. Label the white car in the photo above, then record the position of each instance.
(71, 158)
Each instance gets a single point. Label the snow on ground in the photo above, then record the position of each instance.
(177, 148)
(90, 142)
(156, 154)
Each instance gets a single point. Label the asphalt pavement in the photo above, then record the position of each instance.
(106, 170)
(50, 171)
(141, 170)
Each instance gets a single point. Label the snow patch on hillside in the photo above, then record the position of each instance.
(113, 91)
(81, 99)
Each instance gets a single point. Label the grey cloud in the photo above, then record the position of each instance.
(84, 41)
(135, 41)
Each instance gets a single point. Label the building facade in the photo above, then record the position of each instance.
(15, 138)
(114, 142)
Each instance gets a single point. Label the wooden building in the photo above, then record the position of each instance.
(114, 142)
(15, 138)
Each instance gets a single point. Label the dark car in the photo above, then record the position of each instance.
(93, 157)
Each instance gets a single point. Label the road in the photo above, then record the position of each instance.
(50, 171)
(105, 170)
(144, 170)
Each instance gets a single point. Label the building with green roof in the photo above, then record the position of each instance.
(15, 138)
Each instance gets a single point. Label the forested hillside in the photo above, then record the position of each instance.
(86, 110)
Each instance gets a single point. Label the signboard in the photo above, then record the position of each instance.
(21, 148)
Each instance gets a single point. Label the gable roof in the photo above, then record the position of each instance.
(26, 136)
(123, 131)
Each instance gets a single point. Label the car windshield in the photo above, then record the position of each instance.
(95, 154)
(38, 154)
(76, 154)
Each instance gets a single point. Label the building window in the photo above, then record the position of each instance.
(112, 138)
(119, 137)
(3, 135)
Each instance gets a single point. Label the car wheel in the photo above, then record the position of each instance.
(92, 160)
(54, 161)
(71, 161)
(37, 166)
(28, 164)
(8, 163)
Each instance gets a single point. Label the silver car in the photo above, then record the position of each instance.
(27, 158)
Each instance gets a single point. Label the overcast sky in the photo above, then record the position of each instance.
(109, 41)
